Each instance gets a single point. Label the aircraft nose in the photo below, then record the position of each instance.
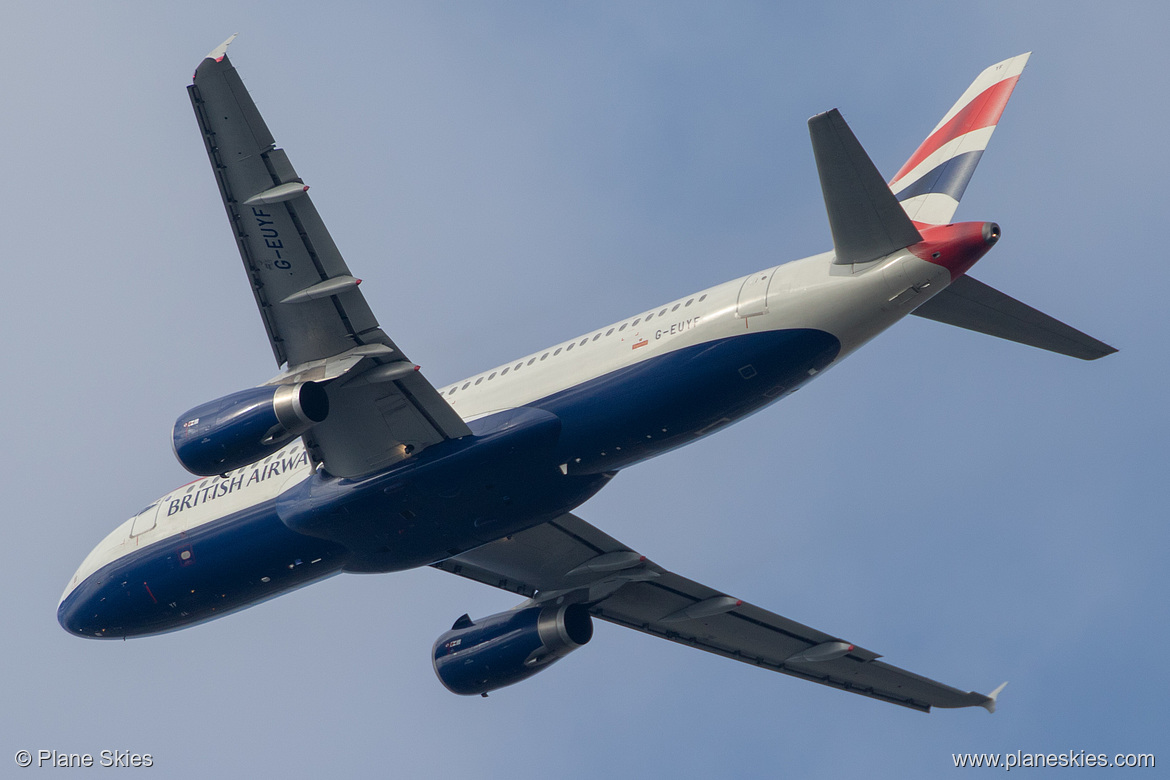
(70, 611)
(85, 611)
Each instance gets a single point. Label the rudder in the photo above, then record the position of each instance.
(932, 182)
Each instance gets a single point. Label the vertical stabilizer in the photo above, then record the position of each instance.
(932, 182)
(866, 219)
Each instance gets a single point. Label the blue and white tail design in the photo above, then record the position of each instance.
(933, 180)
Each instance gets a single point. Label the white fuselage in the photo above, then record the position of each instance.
(852, 303)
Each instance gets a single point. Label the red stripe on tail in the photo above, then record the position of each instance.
(983, 111)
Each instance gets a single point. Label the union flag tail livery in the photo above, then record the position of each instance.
(931, 183)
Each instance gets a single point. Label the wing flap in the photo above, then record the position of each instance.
(553, 561)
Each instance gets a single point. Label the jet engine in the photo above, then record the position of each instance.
(243, 427)
(481, 656)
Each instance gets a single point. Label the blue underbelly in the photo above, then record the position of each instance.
(672, 399)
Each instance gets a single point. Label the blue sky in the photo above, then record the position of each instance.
(504, 176)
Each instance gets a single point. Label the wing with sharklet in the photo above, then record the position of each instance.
(318, 322)
(567, 558)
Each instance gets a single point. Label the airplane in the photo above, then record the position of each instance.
(350, 460)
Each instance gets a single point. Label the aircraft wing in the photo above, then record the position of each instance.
(317, 320)
(569, 557)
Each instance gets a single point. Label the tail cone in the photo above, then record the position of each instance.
(956, 247)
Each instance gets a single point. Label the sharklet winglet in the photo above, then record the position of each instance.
(989, 705)
(219, 52)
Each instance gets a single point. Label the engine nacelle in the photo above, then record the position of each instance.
(477, 657)
(243, 427)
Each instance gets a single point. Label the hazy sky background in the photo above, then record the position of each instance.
(505, 176)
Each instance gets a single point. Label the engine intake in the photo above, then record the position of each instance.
(477, 657)
(243, 427)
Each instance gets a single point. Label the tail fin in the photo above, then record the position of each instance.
(933, 180)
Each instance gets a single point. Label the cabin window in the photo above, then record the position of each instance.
(692, 300)
(533, 360)
(623, 327)
(676, 307)
(466, 385)
(649, 316)
(610, 332)
(635, 322)
(557, 352)
(479, 380)
(595, 338)
(542, 357)
(519, 364)
(492, 376)
(662, 312)
(506, 370)
(702, 298)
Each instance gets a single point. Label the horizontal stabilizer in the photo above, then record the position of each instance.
(866, 219)
(971, 304)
